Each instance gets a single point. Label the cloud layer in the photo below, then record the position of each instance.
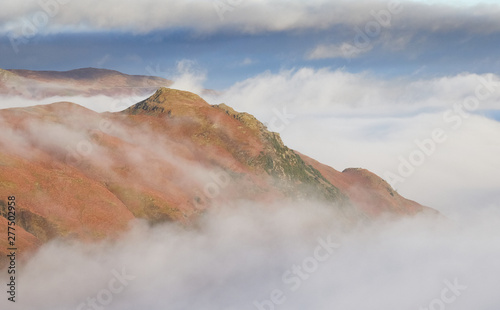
(244, 255)
(239, 256)
(325, 91)
(243, 16)
(360, 120)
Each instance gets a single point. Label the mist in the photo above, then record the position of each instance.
(179, 207)
(100, 103)
(239, 255)
(249, 255)
(348, 120)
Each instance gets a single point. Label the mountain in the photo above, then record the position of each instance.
(79, 82)
(81, 174)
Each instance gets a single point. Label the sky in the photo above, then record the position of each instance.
(234, 40)
(409, 90)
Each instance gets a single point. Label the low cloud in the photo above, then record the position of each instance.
(99, 103)
(239, 255)
(360, 120)
(325, 91)
(188, 76)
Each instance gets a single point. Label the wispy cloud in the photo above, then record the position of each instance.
(188, 76)
(344, 50)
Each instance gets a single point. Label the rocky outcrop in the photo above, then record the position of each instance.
(290, 173)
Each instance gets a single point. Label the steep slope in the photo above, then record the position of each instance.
(370, 193)
(80, 174)
(78, 82)
(288, 171)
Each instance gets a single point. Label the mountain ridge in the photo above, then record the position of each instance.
(90, 81)
(86, 175)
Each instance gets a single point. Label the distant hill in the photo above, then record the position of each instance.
(79, 82)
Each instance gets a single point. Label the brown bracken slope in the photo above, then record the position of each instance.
(85, 175)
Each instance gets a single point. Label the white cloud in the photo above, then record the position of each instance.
(247, 61)
(462, 169)
(241, 16)
(458, 2)
(359, 120)
(237, 256)
(99, 103)
(308, 91)
(344, 50)
(189, 76)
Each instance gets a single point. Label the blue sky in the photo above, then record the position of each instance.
(241, 38)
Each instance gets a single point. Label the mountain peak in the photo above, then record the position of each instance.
(193, 142)
(164, 100)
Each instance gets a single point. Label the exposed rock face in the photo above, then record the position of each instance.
(80, 174)
(289, 171)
